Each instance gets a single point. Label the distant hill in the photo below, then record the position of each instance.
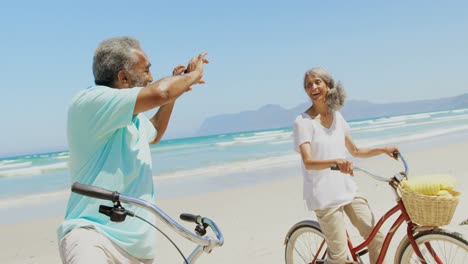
(274, 116)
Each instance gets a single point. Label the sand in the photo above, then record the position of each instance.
(254, 219)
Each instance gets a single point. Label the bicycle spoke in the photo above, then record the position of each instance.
(305, 246)
(437, 246)
(297, 252)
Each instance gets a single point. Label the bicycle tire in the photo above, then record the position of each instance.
(451, 247)
(303, 244)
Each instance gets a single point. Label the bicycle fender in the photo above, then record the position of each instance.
(311, 223)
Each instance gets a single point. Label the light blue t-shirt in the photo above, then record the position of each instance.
(109, 148)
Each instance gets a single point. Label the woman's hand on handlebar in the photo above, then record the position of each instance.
(391, 150)
(345, 166)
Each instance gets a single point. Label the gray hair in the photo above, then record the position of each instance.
(336, 94)
(111, 56)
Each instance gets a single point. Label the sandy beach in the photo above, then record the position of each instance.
(254, 219)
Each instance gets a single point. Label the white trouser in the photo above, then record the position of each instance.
(86, 245)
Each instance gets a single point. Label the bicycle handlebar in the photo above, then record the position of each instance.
(377, 177)
(100, 193)
(191, 218)
(95, 192)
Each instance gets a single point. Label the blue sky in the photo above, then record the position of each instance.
(382, 51)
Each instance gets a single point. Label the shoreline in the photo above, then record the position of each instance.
(52, 204)
(254, 213)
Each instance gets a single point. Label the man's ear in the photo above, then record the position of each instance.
(123, 79)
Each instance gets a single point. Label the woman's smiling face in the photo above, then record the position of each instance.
(316, 88)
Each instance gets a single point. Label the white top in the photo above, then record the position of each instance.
(324, 188)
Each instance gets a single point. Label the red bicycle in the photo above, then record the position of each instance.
(305, 242)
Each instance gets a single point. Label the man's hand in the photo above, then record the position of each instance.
(196, 65)
(178, 70)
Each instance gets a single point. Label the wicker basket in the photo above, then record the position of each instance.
(427, 210)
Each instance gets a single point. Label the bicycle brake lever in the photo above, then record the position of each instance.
(116, 213)
(200, 230)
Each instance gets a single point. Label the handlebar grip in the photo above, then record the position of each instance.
(95, 192)
(189, 217)
(334, 167)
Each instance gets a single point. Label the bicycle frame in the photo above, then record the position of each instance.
(388, 238)
(403, 217)
(204, 244)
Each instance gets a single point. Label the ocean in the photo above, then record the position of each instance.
(183, 159)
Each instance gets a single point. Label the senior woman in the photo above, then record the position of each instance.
(322, 137)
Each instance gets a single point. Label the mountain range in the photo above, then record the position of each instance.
(274, 116)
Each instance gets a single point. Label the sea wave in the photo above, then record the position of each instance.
(363, 122)
(34, 170)
(460, 117)
(269, 133)
(396, 119)
(289, 141)
(257, 138)
(231, 167)
(15, 165)
(33, 198)
(158, 148)
(7, 161)
(379, 127)
(209, 171)
(403, 124)
(402, 118)
(413, 137)
(460, 110)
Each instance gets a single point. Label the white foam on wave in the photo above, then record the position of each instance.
(439, 112)
(257, 137)
(432, 121)
(34, 199)
(393, 119)
(253, 140)
(354, 123)
(176, 147)
(460, 110)
(267, 133)
(231, 167)
(405, 117)
(15, 165)
(224, 144)
(413, 137)
(379, 127)
(402, 118)
(34, 170)
(460, 117)
(7, 161)
(280, 142)
(264, 135)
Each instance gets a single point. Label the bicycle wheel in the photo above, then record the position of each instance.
(305, 244)
(449, 247)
